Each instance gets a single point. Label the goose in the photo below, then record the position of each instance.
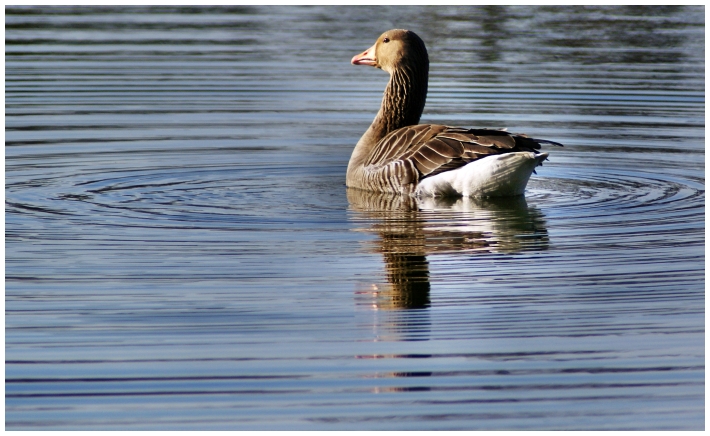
(398, 155)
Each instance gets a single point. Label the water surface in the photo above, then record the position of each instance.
(182, 253)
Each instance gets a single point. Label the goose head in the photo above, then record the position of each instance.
(394, 50)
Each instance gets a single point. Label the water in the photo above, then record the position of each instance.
(182, 253)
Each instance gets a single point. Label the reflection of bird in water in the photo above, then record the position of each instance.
(409, 229)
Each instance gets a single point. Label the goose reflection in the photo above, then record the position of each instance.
(409, 229)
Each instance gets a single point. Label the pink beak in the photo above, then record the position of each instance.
(366, 58)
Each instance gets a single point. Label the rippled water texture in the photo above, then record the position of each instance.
(182, 253)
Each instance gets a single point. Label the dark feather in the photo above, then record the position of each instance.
(423, 150)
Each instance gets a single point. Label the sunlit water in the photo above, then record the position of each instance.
(182, 253)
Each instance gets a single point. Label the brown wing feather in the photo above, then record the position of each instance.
(412, 153)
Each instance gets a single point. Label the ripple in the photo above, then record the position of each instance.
(625, 202)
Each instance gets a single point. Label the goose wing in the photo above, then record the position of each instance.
(412, 153)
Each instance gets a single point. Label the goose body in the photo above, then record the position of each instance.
(398, 155)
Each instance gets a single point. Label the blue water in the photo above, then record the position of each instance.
(181, 251)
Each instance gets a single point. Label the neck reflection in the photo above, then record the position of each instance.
(410, 229)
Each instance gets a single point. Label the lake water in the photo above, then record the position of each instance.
(182, 253)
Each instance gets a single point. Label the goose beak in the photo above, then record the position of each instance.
(366, 58)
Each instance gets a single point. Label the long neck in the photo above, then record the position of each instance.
(403, 101)
(402, 105)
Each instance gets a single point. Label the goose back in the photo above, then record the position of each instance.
(407, 155)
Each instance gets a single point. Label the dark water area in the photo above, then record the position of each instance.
(181, 251)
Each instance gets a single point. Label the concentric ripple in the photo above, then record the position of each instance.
(625, 198)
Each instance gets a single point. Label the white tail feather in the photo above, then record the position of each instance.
(493, 176)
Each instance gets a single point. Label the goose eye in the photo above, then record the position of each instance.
(386, 40)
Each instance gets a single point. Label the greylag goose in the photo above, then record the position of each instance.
(398, 155)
